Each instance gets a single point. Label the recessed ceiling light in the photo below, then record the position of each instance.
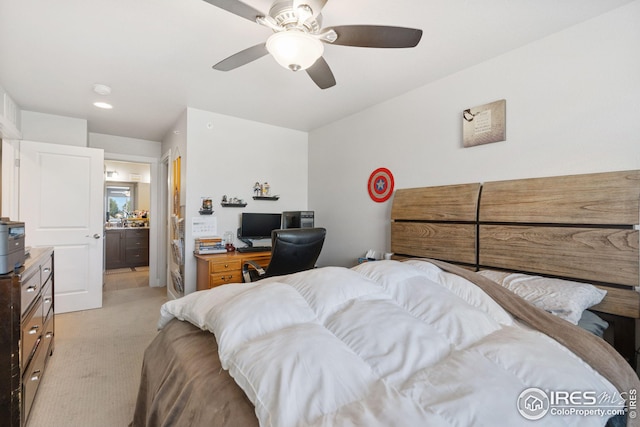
(104, 105)
(101, 89)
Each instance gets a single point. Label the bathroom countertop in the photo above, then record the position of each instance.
(125, 228)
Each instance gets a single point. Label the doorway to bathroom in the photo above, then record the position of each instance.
(128, 216)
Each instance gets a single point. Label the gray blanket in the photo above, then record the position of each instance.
(183, 384)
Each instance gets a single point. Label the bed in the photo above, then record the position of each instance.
(416, 342)
(578, 227)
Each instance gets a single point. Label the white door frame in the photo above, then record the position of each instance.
(156, 248)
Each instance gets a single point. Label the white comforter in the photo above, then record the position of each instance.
(383, 344)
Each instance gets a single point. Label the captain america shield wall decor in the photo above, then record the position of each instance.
(380, 185)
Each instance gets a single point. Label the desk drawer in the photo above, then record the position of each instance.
(262, 261)
(221, 267)
(217, 279)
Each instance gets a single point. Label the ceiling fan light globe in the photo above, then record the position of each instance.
(295, 50)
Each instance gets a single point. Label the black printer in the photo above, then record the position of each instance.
(12, 253)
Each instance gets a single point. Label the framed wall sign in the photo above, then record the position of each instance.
(484, 124)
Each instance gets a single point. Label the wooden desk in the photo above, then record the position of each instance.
(219, 269)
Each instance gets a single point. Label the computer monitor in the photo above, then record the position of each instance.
(255, 226)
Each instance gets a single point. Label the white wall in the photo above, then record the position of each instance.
(226, 156)
(124, 145)
(127, 171)
(9, 117)
(53, 129)
(572, 107)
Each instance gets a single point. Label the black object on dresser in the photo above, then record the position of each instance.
(26, 336)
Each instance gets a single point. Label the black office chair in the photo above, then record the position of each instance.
(292, 250)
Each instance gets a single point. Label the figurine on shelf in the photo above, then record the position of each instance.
(224, 198)
(207, 206)
(266, 189)
(257, 188)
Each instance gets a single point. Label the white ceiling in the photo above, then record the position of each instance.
(157, 57)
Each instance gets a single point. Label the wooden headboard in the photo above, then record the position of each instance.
(436, 222)
(582, 227)
(578, 227)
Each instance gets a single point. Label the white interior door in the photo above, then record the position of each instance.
(61, 197)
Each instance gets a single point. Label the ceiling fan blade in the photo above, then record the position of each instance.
(321, 74)
(376, 36)
(241, 58)
(237, 8)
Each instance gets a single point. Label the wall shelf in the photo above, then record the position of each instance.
(233, 205)
(266, 197)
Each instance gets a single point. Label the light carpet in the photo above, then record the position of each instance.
(93, 376)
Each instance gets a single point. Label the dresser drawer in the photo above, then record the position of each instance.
(30, 290)
(31, 379)
(47, 298)
(45, 270)
(31, 332)
(221, 267)
(46, 342)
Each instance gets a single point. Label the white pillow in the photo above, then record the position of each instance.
(564, 298)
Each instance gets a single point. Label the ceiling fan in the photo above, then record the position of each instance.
(299, 38)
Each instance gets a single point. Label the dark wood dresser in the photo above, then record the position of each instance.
(26, 336)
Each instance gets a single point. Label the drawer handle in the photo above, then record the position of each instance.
(47, 269)
(34, 329)
(47, 300)
(31, 288)
(226, 266)
(48, 335)
(36, 375)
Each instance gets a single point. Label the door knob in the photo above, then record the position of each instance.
(95, 236)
